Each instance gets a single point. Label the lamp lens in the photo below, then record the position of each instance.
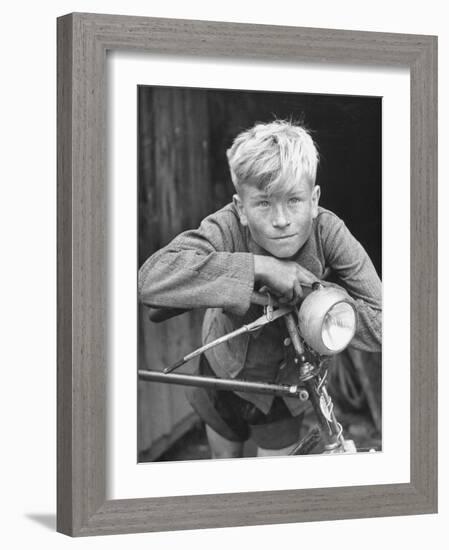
(338, 326)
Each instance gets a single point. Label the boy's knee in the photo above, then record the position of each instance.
(220, 447)
(276, 452)
(226, 453)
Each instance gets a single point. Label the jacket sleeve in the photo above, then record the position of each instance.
(350, 262)
(200, 268)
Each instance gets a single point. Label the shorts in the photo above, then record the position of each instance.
(238, 420)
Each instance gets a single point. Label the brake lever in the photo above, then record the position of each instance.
(250, 327)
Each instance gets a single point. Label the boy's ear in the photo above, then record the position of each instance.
(316, 192)
(238, 203)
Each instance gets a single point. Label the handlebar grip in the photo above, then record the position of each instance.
(262, 299)
(159, 314)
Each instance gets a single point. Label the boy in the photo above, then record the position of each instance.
(272, 235)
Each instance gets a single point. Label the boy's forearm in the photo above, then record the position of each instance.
(355, 272)
(187, 280)
(369, 328)
(262, 265)
(205, 267)
(368, 336)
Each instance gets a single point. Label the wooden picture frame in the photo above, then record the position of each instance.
(83, 40)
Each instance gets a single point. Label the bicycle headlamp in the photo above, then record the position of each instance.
(327, 320)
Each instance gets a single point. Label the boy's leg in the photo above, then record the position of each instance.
(221, 412)
(221, 447)
(280, 434)
(276, 452)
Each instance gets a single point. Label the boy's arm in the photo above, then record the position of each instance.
(200, 268)
(350, 262)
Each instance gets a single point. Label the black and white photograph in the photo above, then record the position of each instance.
(259, 274)
(222, 251)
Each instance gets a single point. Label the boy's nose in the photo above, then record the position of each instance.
(280, 218)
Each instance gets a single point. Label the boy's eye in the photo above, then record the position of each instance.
(294, 200)
(264, 204)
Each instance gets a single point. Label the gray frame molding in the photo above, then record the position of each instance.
(83, 40)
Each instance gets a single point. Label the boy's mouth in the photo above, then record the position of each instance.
(283, 237)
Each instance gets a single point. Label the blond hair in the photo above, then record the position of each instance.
(270, 155)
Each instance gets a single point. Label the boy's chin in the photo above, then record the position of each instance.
(282, 249)
(286, 256)
(284, 253)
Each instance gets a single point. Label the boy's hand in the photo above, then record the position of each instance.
(282, 277)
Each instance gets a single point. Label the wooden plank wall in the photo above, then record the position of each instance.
(174, 195)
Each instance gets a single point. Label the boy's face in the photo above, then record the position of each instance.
(279, 222)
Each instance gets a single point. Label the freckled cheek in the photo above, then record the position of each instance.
(262, 228)
(262, 223)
